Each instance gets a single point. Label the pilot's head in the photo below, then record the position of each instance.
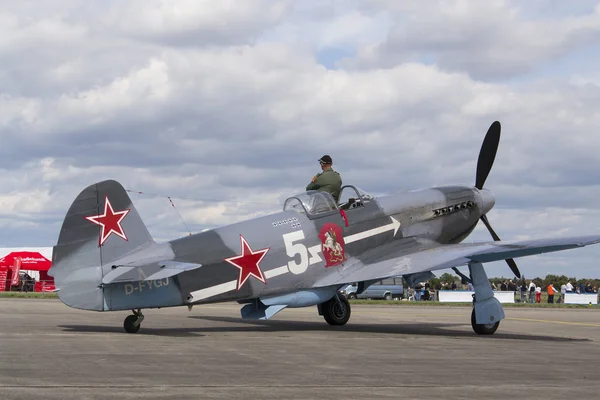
(325, 162)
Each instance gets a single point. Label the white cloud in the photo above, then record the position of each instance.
(489, 39)
(191, 22)
(227, 109)
(19, 32)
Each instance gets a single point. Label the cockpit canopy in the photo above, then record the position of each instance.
(315, 203)
(312, 203)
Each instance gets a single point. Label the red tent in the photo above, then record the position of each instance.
(30, 261)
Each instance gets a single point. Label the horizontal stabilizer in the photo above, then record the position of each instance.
(148, 272)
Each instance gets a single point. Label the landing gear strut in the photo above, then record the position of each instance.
(336, 310)
(487, 310)
(133, 322)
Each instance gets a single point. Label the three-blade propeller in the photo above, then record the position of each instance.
(487, 155)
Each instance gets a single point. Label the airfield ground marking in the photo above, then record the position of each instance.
(381, 314)
(553, 322)
(506, 318)
(313, 250)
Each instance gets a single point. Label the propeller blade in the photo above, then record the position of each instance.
(513, 267)
(511, 263)
(487, 154)
(489, 227)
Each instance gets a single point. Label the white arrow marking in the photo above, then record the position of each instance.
(231, 285)
(394, 225)
(213, 291)
(276, 272)
(314, 258)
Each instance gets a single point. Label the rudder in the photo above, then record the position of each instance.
(101, 226)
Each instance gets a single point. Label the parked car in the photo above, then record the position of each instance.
(386, 289)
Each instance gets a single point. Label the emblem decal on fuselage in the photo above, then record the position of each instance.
(332, 244)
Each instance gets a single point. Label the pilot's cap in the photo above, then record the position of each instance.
(325, 159)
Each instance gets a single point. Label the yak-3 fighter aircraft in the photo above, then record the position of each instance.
(105, 259)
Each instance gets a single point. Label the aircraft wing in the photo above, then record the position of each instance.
(411, 256)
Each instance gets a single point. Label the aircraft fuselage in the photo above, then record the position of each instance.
(293, 245)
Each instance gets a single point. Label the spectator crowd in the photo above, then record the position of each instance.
(526, 291)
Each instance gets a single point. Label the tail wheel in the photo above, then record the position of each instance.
(352, 296)
(337, 310)
(133, 322)
(129, 324)
(483, 329)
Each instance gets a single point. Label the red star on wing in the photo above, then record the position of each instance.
(110, 222)
(248, 263)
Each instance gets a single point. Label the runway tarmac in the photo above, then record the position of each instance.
(50, 351)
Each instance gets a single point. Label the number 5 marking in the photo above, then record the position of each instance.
(293, 249)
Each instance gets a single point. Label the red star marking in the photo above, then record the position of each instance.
(110, 222)
(248, 263)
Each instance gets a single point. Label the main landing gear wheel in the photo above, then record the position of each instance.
(483, 329)
(336, 311)
(133, 322)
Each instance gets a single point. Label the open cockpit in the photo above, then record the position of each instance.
(317, 203)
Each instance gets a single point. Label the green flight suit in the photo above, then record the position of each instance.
(327, 181)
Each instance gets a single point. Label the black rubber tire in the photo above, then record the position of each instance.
(352, 296)
(388, 297)
(481, 329)
(128, 324)
(336, 312)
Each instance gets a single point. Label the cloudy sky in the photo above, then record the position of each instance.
(226, 106)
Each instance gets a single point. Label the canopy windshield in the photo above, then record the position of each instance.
(311, 203)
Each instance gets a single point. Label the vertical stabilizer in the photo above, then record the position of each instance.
(101, 226)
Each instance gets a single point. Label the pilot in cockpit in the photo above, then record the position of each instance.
(327, 181)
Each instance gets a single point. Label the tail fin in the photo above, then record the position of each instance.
(101, 226)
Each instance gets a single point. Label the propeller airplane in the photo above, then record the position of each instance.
(106, 260)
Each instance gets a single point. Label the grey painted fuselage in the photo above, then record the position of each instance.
(440, 215)
(289, 258)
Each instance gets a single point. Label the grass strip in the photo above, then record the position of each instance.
(29, 295)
